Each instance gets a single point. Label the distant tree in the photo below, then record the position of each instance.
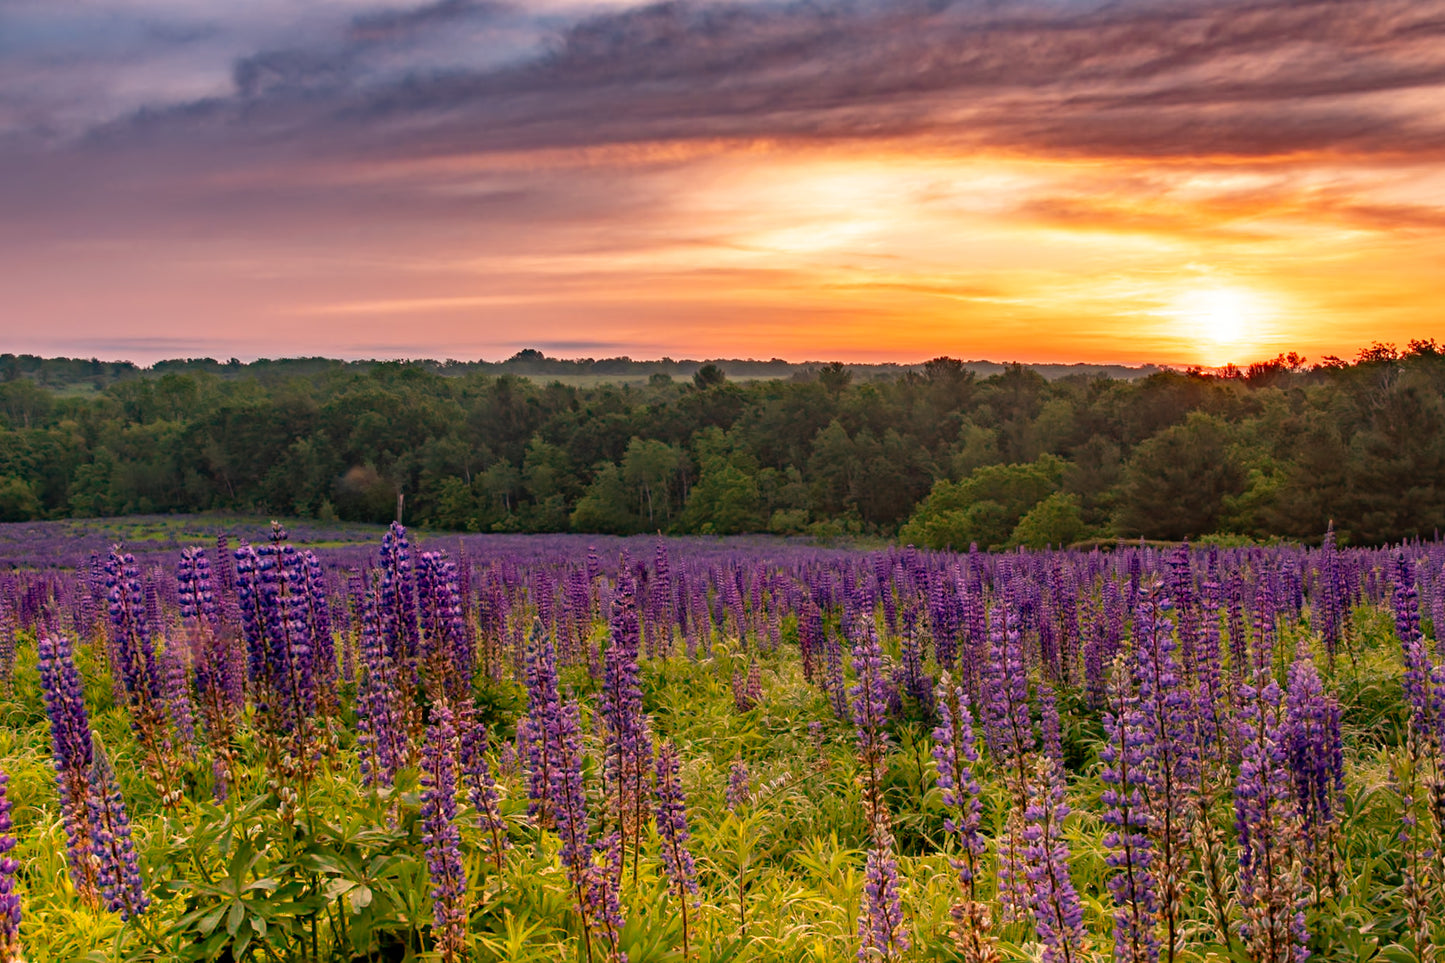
(834, 377)
(1054, 521)
(17, 500)
(983, 508)
(603, 507)
(725, 501)
(649, 469)
(709, 376)
(1177, 481)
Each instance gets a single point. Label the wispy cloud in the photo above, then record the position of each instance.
(846, 171)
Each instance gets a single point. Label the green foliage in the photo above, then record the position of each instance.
(1281, 450)
(986, 507)
(1055, 521)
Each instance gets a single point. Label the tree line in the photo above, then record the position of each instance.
(938, 456)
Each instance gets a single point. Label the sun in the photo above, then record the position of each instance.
(1220, 319)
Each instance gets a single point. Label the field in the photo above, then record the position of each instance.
(342, 744)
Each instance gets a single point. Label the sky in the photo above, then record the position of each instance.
(1174, 181)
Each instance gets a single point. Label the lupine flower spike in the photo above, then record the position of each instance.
(9, 899)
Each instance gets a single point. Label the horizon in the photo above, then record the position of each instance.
(149, 364)
(1109, 183)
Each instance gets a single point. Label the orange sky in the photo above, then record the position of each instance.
(1182, 182)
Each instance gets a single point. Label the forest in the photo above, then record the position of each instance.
(937, 455)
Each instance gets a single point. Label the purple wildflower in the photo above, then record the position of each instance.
(1270, 884)
(1317, 764)
(1131, 854)
(117, 871)
(739, 786)
(673, 833)
(9, 899)
(870, 709)
(72, 749)
(537, 732)
(881, 929)
(442, 837)
(1170, 750)
(956, 755)
(482, 788)
(1058, 917)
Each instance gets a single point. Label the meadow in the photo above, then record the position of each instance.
(274, 746)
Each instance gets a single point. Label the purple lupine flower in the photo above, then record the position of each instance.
(882, 932)
(1271, 890)
(810, 640)
(446, 654)
(177, 692)
(603, 896)
(837, 689)
(482, 788)
(398, 597)
(1009, 734)
(569, 802)
(915, 679)
(9, 899)
(536, 733)
(316, 605)
(442, 838)
(1008, 730)
(117, 869)
(193, 586)
(1171, 752)
(71, 748)
(747, 687)
(139, 677)
(1131, 855)
(956, 755)
(870, 710)
(1058, 916)
(629, 746)
(740, 791)
(1317, 763)
(1050, 730)
(673, 832)
(1265, 615)
(381, 730)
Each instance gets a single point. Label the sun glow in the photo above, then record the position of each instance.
(1221, 320)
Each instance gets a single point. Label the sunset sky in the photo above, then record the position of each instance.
(1055, 180)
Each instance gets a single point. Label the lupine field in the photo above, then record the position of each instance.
(664, 750)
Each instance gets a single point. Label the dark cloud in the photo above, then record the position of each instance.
(392, 24)
(1240, 77)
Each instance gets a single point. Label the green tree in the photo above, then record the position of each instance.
(725, 501)
(603, 507)
(983, 508)
(1177, 482)
(1054, 521)
(17, 500)
(649, 469)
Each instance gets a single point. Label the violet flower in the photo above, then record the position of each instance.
(72, 749)
(882, 933)
(673, 833)
(442, 837)
(9, 899)
(955, 754)
(739, 792)
(1271, 888)
(482, 788)
(117, 868)
(1131, 854)
(1058, 916)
